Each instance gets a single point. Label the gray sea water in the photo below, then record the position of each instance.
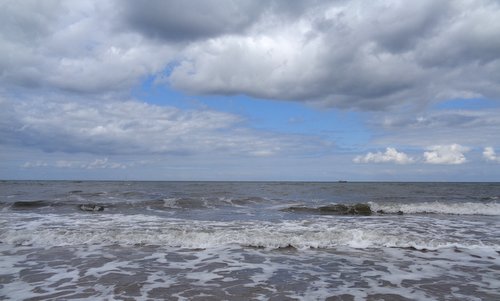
(64, 240)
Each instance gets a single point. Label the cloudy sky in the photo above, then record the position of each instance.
(250, 90)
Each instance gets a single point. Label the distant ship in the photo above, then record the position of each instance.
(342, 181)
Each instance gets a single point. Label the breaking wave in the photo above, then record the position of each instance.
(54, 230)
(491, 206)
(469, 208)
(370, 208)
(158, 204)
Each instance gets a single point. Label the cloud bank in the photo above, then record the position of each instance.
(131, 127)
(344, 54)
(353, 54)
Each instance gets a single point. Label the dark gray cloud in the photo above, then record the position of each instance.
(181, 20)
(468, 35)
(28, 21)
(401, 26)
(191, 20)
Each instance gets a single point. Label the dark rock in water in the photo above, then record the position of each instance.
(357, 209)
(380, 212)
(400, 212)
(91, 207)
(423, 250)
(335, 209)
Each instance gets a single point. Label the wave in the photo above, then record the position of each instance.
(116, 229)
(489, 207)
(27, 205)
(466, 208)
(157, 204)
(191, 203)
(373, 208)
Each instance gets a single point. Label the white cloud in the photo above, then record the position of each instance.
(390, 155)
(446, 154)
(437, 154)
(130, 127)
(490, 155)
(266, 65)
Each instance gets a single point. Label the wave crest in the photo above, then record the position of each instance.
(467, 208)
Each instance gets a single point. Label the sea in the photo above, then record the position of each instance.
(97, 240)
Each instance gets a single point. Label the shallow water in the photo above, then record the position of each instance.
(233, 241)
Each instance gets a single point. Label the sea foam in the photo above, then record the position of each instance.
(55, 230)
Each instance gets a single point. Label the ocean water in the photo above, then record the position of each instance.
(63, 240)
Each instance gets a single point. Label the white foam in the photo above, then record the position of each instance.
(468, 208)
(170, 203)
(203, 277)
(260, 274)
(75, 229)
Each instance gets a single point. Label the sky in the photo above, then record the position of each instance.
(382, 90)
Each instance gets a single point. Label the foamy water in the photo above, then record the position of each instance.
(368, 232)
(259, 241)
